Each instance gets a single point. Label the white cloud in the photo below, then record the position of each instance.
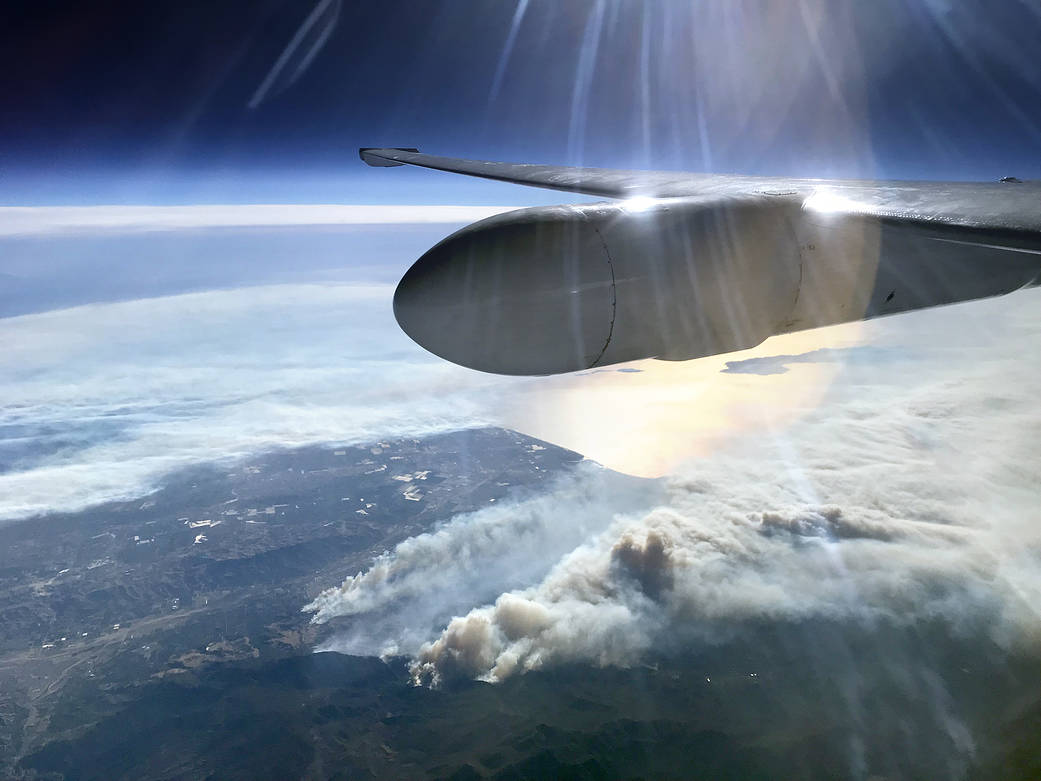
(44, 220)
(143, 387)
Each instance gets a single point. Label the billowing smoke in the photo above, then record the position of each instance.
(897, 541)
(426, 579)
(897, 500)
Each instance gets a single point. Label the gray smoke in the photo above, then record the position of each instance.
(896, 499)
(861, 515)
(426, 579)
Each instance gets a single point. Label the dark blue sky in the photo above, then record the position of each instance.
(118, 101)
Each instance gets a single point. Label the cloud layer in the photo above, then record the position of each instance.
(100, 401)
(49, 220)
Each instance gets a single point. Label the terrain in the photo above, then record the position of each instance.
(163, 638)
(213, 568)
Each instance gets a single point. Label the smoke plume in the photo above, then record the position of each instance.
(896, 499)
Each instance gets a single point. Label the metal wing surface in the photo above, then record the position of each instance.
(682, 265)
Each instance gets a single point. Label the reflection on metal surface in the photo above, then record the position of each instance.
(638, 204)
(826, 201)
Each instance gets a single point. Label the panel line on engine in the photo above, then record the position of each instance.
(614, 297)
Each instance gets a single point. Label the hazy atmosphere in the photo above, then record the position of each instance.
(240, 509)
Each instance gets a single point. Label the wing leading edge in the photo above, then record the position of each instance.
(601, 182)
(1009, 204)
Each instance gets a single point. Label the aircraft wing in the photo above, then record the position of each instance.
(686, 265)
(1008, 204)
(602, 182)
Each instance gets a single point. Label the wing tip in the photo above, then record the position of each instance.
(379, 157)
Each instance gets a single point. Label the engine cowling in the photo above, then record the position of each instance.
(556, 289)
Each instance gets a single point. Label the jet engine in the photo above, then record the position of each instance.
(557, 289)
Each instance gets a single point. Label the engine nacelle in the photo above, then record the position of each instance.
(564, 288)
